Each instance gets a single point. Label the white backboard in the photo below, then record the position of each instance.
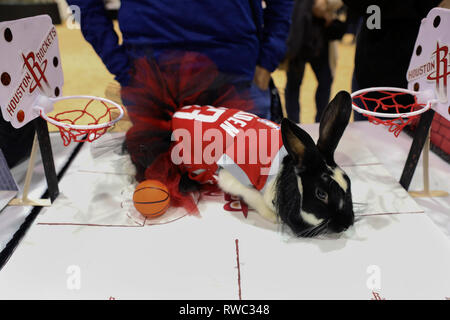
(30, 65)
(429, 67)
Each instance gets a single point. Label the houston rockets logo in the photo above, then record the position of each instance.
(232, 203)
(235, 204)
(377, 296)
(36, 71)
(33, 78)
(34, 66)
(441, 72)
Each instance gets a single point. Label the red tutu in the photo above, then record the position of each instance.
(157, 90)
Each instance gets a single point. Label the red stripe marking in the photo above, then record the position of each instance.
(87, 224)
(146, 223)
(238, 267)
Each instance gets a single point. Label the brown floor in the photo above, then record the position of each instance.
(85, 74)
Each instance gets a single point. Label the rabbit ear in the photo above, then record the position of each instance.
(333, 123)
(299, 145)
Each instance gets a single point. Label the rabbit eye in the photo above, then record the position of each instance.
(322, 195)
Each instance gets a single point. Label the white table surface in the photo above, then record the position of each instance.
(194, 258)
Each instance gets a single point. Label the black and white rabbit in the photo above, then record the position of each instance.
(311, 194)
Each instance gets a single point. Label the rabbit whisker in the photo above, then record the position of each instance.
(314, 230)
(323, 228)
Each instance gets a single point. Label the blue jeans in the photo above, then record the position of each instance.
(261, 99)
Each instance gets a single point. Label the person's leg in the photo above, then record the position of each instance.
(294, 76)
(261, 99)
(276, 111)
(355, 87)
(321, 68)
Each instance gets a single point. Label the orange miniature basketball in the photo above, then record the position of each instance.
(151, 198)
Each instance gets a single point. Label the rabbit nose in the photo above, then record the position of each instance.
(341, 225)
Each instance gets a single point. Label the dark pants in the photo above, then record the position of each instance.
(15, 143)
(355, 87)
(321, 68)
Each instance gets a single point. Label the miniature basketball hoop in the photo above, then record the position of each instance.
(67, 121)
(392, 107)
(31, 82)
(428, 77)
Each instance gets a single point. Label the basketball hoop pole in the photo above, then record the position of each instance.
(24, 200)
(426, 192)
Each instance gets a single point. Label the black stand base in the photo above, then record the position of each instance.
(420, 137)
(47, 157)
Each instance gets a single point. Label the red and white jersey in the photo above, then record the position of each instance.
(206, 138)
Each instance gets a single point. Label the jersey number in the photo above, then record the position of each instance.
(208, 114)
